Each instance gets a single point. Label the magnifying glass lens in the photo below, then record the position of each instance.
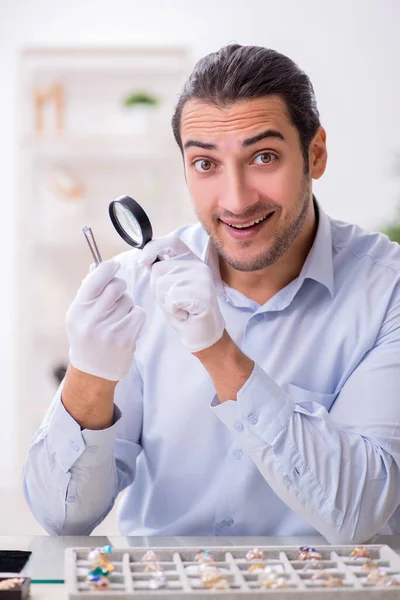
(129, 223)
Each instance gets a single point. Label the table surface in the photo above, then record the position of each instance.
(47, 559)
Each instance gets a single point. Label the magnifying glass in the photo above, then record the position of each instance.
(131, 222)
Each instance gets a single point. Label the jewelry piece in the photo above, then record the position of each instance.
(149, 556)
(369, 565)
(101, 568)
(151, 567)
(204, 556)
(360, 552)
(103, 561)
(333, 582)
(307, 553)
(255, 568)
(158, 581)
(279, 583)
(221, 584)
(273, 581)
(374, 577)
(270, 578)
(211, 579)
(255, 554)
(379, 578)
(389, 581)
(94, 555)
(327, 579)
(97, 582)
(271, 570)
(320, 575)
(11, 584)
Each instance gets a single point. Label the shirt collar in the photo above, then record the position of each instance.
(317, 266)
(319, 262)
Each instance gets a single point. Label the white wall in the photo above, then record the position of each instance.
(350, 49)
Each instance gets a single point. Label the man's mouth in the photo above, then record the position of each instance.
(249, 223)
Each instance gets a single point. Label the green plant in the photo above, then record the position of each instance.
(393, 231)
(140, 98)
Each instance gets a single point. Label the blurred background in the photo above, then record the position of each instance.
(87, 89)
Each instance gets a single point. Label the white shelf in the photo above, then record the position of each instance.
(108, 61)
(123, 146)
(106, 152)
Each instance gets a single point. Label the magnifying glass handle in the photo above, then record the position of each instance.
(88, 233)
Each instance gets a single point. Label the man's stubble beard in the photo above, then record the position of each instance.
(282, 240)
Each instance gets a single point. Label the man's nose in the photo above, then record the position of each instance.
(237, 196)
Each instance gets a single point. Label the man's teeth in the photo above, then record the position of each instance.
(249, 224)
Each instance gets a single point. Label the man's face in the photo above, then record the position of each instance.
(245, 173)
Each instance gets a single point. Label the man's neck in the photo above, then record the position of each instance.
(264, 284)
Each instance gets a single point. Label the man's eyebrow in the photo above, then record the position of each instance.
(203, 145)
(268, 133)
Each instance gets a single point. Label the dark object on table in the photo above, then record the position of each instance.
(13, 561)
(21, 592)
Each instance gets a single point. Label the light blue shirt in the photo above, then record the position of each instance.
(312, 443)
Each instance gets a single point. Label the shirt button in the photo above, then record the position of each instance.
(260, 316)
(238, 454)
(71, 499)
(92, 449)
(239, 427)
(253, 418)
(228, 521)
(74, 446)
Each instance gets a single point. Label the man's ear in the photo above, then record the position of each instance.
(318, 154)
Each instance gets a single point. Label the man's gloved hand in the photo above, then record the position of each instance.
(185, 291)
(103, 325)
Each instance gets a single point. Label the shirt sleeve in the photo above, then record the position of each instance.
(339, 470)
(71, 476)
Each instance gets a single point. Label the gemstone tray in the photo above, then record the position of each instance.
(129, 581)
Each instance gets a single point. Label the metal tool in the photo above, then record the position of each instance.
(88, 233)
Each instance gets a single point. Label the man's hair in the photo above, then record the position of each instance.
(237, 72)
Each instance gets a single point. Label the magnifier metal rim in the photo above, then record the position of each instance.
(139, 214)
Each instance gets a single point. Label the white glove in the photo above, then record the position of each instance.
(185, 291)
(103, 324)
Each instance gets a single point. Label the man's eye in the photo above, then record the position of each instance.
(265, 158)
(202, 165)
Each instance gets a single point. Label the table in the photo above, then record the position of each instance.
(47, 559)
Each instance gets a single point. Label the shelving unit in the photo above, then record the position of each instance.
(78, 150)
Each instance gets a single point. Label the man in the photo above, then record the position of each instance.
(258, 361)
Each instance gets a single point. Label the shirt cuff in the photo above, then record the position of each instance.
(70, 445)
(262, 407)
